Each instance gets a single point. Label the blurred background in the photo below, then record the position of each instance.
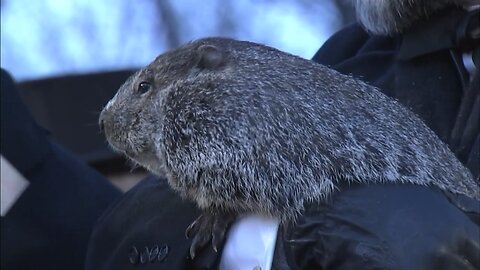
(70, 56)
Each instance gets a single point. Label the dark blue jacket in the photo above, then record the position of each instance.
(49, 225)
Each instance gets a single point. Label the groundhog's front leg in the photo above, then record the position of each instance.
(210, 225)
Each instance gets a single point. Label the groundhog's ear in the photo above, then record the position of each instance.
(209, 57)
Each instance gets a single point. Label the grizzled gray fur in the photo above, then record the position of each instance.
(387, 17)
(243, 127)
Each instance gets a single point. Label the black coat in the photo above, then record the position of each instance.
(49, 225)
(361, 226)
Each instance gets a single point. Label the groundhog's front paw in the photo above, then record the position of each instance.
(208, 226)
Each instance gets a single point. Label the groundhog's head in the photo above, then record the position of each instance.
(133, 120)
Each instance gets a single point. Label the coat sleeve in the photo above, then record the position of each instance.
(386, 227)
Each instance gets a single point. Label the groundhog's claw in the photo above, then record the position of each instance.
(192, 228)
(208, 226)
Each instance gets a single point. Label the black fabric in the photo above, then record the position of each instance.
(465, 136)
(149, 215)
(21, 137)
(385, 227)
(49, 225)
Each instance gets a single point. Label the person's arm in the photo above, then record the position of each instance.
(49, 222)
(385, 227)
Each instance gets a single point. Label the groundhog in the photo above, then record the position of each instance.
(239, 127)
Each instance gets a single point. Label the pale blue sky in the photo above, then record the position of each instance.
(53, 37)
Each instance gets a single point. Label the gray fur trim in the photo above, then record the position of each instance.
(388, 17)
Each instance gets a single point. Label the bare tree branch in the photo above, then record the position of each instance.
(170, 23)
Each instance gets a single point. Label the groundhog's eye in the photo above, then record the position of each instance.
(143, 87)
